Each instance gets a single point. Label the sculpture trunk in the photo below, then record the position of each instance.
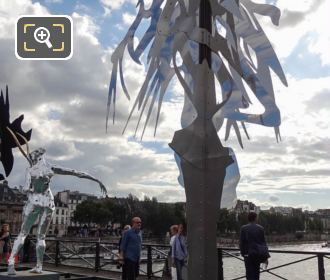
(203, 161)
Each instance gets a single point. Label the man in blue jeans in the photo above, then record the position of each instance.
(130, 248)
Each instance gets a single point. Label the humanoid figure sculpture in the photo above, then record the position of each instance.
(40, 205)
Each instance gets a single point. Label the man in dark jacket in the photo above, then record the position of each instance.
(253, 247)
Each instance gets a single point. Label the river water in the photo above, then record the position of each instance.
(307, 270)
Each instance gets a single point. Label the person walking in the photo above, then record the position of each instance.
(173, 232)
(123, 275)
(130, 250)
(253, 247)
(5, 243)
(179, 251)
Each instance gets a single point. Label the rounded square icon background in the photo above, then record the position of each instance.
(56, 46)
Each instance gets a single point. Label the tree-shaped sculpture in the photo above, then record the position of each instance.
(199, 42)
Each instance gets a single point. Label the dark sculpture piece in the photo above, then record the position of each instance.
(7, 129)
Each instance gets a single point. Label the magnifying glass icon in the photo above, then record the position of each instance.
(41, 35)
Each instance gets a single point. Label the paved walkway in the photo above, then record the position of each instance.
(88, 272)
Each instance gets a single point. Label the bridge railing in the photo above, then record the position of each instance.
(100, 255)
(103, 255)
(309, 255)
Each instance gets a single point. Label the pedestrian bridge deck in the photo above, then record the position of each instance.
(71, 272)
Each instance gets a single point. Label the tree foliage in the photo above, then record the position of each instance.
(157, 217)
(273, 223)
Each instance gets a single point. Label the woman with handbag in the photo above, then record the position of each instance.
(5, 243)
(174, 232)
(179, 252)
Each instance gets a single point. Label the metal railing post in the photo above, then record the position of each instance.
(320, 262)
(97, 256)
(57, 253)
(149, 263)
(220, 265)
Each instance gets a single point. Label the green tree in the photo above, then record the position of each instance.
(85, 212)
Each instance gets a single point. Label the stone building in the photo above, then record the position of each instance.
(324, 215)
(11, 206)
(245, 206)
(72, 199)
(59, 224)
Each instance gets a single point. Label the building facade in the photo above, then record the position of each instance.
(59, 224)
(324, 215)
(245, 206)
(71, 200)
(11, 206)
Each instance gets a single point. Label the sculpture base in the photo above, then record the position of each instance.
(27, 275)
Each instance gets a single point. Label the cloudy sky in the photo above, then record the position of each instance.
(65, 104)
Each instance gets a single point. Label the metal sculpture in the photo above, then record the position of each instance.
(199, 42)
(7, 128)
(40, 204)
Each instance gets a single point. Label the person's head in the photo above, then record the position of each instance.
(180, 229)
(5, 228)
(252, 217)
(136, 223)
(126, 228)
(174, 229)
(36, 155)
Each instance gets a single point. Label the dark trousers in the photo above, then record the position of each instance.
(252, 267)
(179, 264)
(130, 270)
(123, 273)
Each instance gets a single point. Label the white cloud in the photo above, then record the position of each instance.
(114, 5)
(65, 104)
(110, 5)
(299, 22)
(54, 1)
(128, 18)
(321, 43)
(85, 26)
(11, 10)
